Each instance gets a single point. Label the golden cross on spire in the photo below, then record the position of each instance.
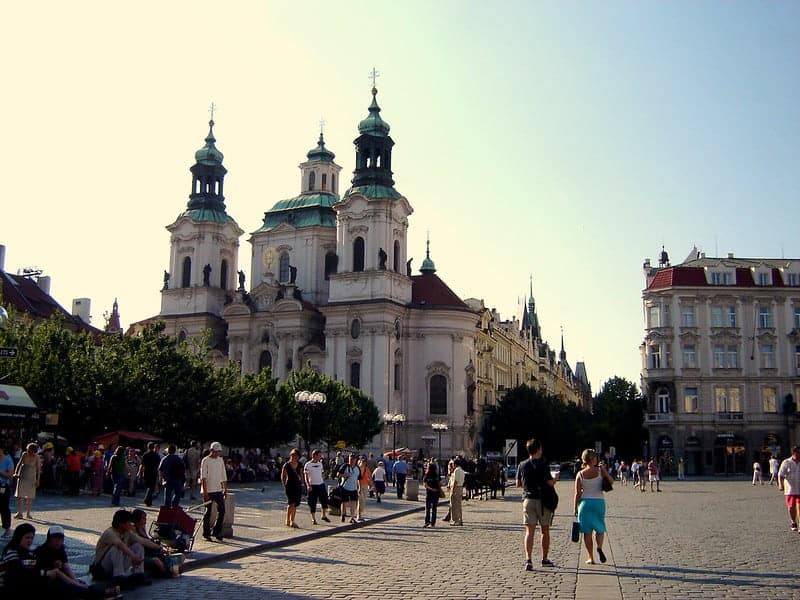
(211, 109)
(374, 75)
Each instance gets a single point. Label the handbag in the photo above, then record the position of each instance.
(607, 485)
(576, 531)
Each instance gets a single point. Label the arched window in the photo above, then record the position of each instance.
(324, 181)
(333, 183)
(355, 374)
(331, 263)
(265, 360)
(396, 257)
(283, 270)
(223, 274)
(438, 395)
(186, 275)
(311, 180)
(358, 254)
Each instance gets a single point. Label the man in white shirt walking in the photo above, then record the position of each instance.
(457, 476)
(214, 487)
(789, 484)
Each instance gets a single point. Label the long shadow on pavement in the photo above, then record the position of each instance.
(714, 577)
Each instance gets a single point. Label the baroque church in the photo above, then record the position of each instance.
(330, 287)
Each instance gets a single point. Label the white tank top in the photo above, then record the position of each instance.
(592, 488)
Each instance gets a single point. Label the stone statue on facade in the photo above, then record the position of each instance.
(382, 258)
(166, 280)
(408, 267)
(207, 275)
(292, 274)
(241, 281)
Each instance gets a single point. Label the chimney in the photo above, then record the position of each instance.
(43, 281)
(2, 257)
(82, 308)
(730, 254)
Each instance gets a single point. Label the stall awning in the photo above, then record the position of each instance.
(15, 402)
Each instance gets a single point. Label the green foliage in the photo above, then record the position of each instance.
(619, 417)
(527, 413)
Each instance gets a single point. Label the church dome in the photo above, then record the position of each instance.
(373, 124)
(321, 153)
(208, 154)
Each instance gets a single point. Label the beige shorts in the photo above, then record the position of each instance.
(535, 513)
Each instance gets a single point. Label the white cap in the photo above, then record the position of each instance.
(55, 530)
(216, 446)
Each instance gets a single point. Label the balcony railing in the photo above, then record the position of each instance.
(730, 416)
(659, 417)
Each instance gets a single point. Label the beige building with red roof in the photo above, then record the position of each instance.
(721, 360)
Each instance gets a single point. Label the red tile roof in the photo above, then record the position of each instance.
(427, 290)
(672, 276)
(744, 277)
(26, 296)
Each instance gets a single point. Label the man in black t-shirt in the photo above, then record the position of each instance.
(149, 472)
(533, 475)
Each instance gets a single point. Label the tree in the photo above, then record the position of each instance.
(619, 417)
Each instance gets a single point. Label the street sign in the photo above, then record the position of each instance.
(8, 352)
(510, 444)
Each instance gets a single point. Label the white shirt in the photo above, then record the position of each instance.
(379, 474)
(212, 470)
(313, 471)
(790, 471)
(773, 465)
(457, 477)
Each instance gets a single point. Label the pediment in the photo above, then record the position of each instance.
(287, 305)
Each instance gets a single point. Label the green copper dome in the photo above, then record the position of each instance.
(373, 124)
(321, 153)
(208, 154)
(427, 264)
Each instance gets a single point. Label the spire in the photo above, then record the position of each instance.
(373, 147)
(112, 324)
(427, 264)
(208, 175)
(321, 153)
(534, 319)
(562, 356)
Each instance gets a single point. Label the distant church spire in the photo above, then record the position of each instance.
(532, 316)
(427, 264)
(563, 354)
(112, 324)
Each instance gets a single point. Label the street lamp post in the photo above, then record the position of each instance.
(439, 428)
(394, 419)
(309, 399)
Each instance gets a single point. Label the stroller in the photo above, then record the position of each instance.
(176, 527)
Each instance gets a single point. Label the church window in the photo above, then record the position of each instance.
(311, 180)
(333, 183)
(223, 274)
(283, 272)
(324, 181)
(355, 329)
(438, 395)
(265, 360)
(397, 373)
(358, 254)
(355, 374)
(331, 261)
(186, 275)
(396, 257)
(378, 160)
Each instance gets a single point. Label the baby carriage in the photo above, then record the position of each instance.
(176, 527)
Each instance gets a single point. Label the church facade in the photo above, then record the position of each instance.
(331, 287)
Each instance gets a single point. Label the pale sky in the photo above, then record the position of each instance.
(563, 140)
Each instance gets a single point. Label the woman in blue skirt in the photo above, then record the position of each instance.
(590, 506)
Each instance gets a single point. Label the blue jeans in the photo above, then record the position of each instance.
(173, 492)
(431, 504)
(120, 483)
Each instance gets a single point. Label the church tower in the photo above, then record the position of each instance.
(204, 242)
(372, 222)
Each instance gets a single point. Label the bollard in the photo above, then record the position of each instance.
(412, 489)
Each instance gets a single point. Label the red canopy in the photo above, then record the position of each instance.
(132, 438)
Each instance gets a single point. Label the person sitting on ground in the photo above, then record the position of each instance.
(155, 560)
(119, 553)
(51, 557)
(19, 576)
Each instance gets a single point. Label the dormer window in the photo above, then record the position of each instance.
(721, 278)
(765, 278)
